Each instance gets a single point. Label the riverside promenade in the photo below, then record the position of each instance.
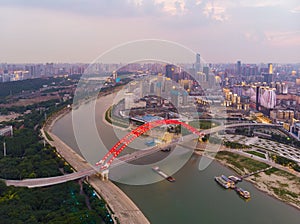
(123, 208)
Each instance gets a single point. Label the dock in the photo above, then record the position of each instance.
(227, 182)
(256, 172)
(230, 182)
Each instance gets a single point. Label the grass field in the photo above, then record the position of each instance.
(255, 153)
(241, 162)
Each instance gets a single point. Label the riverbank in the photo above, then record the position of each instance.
(122, 207)
(108, 119)
(194, 198)
(275, 182)
(108, 135)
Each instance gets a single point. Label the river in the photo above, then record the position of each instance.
(194, 197)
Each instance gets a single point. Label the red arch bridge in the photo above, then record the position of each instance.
(119, 147)
(127, 139)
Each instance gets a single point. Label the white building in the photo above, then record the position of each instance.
(6, 131)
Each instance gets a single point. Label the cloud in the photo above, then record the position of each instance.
(283, 38)
(259, 3)
(126, 8)
(115, 8)
(216, 11)
(102, 8)
(204, 25)
(262, 3)
(172, 7)
(295, 10)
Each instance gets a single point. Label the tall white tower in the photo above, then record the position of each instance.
(4, 149)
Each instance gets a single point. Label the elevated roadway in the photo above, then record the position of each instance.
(48, 181)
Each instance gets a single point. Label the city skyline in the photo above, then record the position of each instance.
(61, 31)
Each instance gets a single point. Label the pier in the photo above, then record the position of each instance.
(256, 172)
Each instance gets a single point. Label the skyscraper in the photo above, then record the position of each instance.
(144, 87)
(152, 88)
(170, 70)
(267, 97)
(268, 77)
(159, 84)
(270, 68)
(174, 96)
(238, 68)
(197, 66)
(206, 72)
(184, 98)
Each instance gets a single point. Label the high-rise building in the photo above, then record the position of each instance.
(281, 88)
(211, 80)
(270, 68)
(159, 84)
(238, 68)
(201, 77)
(268, 77)
(132, 86)
(5, 76)
(257, 97)
(184, 98)
(197, 66)
(167, 87)
(152, 88)
(129, 100)
(115, 75)
(49, 69)
(174, 96)
(6, 131)
(170, 70)
(186, 83)
(285, 88)
(144, 88)
(206, 72)
(33, 71)
(267, 97)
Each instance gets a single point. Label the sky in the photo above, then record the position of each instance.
(222, 31)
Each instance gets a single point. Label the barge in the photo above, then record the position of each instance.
(164, 175)
(243, 193)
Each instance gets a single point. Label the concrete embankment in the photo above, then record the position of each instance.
(121, 205)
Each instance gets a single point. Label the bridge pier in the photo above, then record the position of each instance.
(103, 174)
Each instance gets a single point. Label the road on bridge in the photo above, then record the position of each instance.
(85, 170)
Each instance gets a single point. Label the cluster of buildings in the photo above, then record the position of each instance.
(16, 72)
(161, 86)
(273, 91)
(270, 90)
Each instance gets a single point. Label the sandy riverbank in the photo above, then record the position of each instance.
(282, 186)
(123, 208)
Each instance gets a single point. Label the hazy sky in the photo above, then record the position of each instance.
(80, 30)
